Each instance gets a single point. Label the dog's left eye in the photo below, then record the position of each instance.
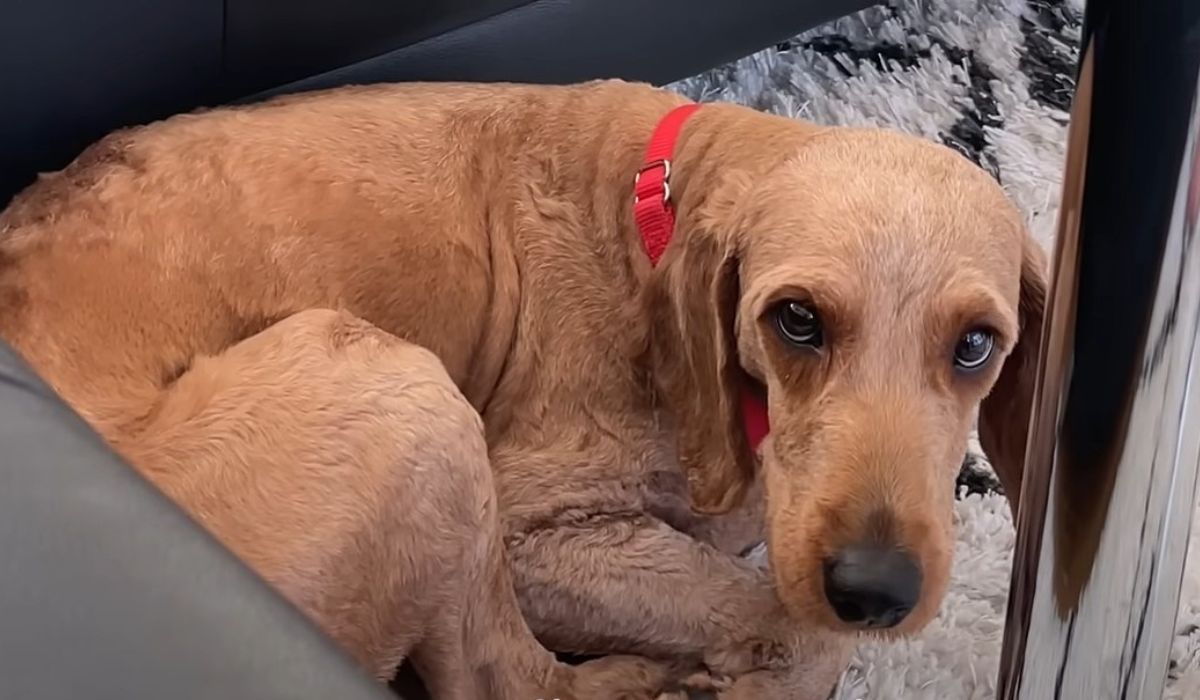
(974, 349)
(799, 324)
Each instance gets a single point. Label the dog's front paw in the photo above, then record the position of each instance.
(790, 684)
(633, 678)
(790, 666)
(701, 685)
(750, 655)
(779, 685)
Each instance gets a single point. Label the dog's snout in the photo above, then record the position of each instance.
(872, 586)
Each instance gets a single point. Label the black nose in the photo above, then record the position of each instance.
(873, 586)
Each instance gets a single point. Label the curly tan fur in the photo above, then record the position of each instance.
(292, 316)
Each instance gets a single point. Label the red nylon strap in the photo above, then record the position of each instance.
(652, 207)
(754, 419)
(654, 213)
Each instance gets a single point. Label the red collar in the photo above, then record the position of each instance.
(654, 214)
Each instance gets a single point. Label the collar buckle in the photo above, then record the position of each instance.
(665, 164)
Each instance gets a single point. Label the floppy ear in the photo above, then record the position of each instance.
(694, 307)
(1004, 415)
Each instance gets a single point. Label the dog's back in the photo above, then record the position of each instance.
(162, 243)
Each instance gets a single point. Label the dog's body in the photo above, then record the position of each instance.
(290, 317)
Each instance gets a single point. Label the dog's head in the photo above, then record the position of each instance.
(882, 290)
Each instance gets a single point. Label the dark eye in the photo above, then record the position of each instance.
(798, 323)
(974, 349)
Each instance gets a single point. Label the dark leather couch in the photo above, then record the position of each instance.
(72, 70)
(106, 590)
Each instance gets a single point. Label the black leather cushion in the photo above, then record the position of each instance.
(562, 41)
(73, 70)
(109, 592)
(268, 42)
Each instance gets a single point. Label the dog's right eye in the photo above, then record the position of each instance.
(974, 349)
(798, 324)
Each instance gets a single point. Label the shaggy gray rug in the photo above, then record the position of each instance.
(993, 79)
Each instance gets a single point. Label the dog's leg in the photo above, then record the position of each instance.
(343, 465)
(636, 585)
(808, 680)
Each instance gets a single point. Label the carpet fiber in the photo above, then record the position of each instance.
(993, 79)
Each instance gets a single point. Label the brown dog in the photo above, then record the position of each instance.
(290, 317)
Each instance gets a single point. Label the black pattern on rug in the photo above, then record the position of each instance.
(966, 135)
(1052, 31)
